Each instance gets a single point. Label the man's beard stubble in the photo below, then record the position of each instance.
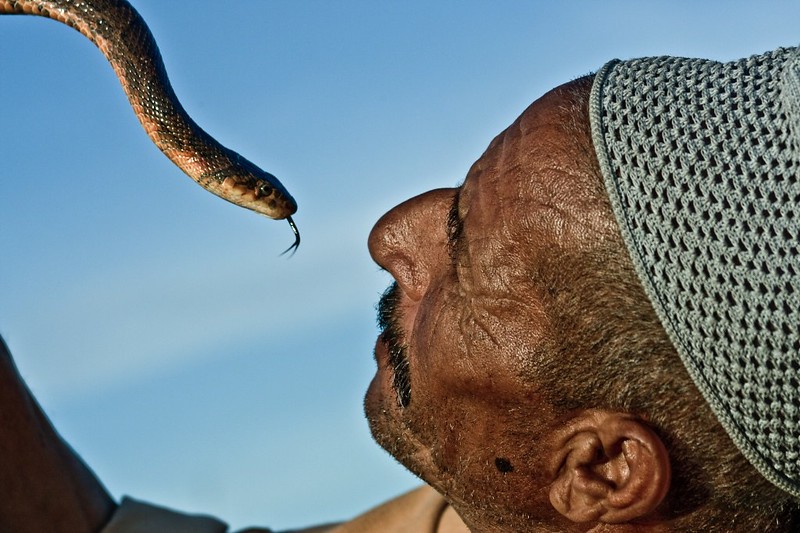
(387, 429)
(392, 335)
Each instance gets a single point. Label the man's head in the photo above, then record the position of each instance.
(522, 371)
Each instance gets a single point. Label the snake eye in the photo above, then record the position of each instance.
(265, 189)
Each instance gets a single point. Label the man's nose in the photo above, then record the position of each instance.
(410, 241)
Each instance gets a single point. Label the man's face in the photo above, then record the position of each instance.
(467, 318)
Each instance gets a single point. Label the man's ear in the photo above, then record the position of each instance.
(608, 467)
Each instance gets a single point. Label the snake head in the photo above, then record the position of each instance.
(245, 184)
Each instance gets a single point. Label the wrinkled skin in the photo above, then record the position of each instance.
(473, 320)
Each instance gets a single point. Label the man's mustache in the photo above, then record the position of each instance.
(389, 317)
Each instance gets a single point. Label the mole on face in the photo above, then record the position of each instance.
(503, 465)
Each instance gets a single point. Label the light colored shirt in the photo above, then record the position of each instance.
(422, 510)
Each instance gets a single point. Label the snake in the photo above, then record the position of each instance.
(125, 40)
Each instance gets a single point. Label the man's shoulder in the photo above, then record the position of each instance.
(417, 510)
(420, 510)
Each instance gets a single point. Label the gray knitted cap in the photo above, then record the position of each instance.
(701, 161)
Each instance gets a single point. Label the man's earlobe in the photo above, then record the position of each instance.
(609, 467)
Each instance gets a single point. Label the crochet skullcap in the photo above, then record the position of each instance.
(701, 161)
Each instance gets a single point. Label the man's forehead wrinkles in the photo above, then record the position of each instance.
(512, 150)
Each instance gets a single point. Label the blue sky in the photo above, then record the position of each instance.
(182, 357)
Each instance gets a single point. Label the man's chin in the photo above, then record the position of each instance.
(383, 429)
(387, 432)
(384, 414)
(380, 409)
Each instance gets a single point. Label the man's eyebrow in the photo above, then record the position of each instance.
(455, 228)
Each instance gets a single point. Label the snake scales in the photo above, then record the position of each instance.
(121, 34)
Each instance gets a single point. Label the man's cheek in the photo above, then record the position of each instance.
(452, 431)
(436, 327)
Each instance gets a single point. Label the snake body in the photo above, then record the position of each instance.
(121, 34)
